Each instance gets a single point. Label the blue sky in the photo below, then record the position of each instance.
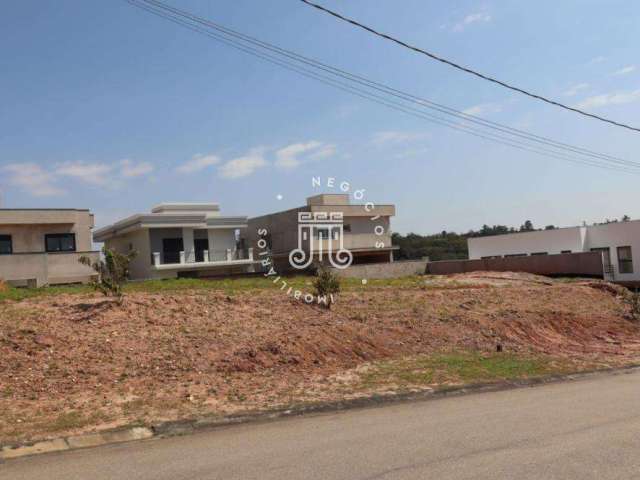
(104, 106)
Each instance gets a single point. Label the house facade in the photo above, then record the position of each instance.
(180, 240)
(42, 246)
(326, 225)
(618, 242)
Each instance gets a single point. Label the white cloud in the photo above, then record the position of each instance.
(624, 70)
(243, 166)
(482, 17)
(198, 162)
(325, 151)
(573, 90)
(32, 178)
(94, 173)
(293, 155)
(616, 98)
(396, 136)
(129, 169)
(483, 109)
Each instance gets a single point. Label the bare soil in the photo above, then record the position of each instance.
(73, 363)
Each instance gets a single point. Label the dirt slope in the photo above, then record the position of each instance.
(166, 355)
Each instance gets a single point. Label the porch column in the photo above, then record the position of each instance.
(212, 245)
(189, 249)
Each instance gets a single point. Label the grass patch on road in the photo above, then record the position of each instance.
(460, 368)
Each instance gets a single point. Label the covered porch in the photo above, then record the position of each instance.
(197, 248)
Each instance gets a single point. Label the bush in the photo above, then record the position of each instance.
(634, 302)
(326, 283)
(112, 270)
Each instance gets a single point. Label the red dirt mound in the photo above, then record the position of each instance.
(82, 353)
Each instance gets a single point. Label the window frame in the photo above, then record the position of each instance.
(58, 236)
(626, 262)
(8, 238)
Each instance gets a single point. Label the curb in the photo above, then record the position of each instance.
(189, 426)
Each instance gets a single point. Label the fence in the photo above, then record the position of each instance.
(588, 264)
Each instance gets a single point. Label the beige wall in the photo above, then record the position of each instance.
(283, 228)
(38, 269)
(29, 264)
(28, 227)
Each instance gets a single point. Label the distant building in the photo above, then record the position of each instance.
(180, 240)
(42, 246)
(327, 225)
(618, 242)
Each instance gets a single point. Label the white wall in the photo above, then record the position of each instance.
(140, 266)
(577, 239)
(549, 241)
(614, 235)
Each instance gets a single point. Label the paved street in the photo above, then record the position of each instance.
(588, 429)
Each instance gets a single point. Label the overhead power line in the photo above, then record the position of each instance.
(285, 59)
(467, 69)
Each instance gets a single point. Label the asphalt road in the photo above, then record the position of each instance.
(588, 429)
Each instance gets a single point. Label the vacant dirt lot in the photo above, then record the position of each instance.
(69, 363)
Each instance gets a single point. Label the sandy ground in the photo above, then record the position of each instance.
(71, 363)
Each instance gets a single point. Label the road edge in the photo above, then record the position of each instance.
(193, 425)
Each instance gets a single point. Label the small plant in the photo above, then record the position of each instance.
(326, 283)
(112, 270)
(633, 299)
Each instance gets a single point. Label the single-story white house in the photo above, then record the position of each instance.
(180, 239)
(617, 241)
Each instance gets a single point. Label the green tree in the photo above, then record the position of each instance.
(326, 284)
(527, 226)
(112, 270)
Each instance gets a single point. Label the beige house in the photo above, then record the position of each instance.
(180, 240)
(42, 246)
(327, 224)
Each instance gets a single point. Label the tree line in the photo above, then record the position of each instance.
(453, 246)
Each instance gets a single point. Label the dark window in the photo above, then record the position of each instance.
(347, 227)
(625, 260)
(60, 242)
(171, 248)
(540, 253)
(515, 255)
(322, 233)
(566, 251)
(200, 245)
(6, 247)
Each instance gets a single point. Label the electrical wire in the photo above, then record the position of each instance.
(467, 69)
(177, 16)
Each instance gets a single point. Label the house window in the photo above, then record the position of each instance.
(540, 253)
(322, 233)
(566, 251)
(6, 247)
(60, 242)
(513, 255)
(347, 227)
(625, 260)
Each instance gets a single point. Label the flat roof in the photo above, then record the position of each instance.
(44, 209)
